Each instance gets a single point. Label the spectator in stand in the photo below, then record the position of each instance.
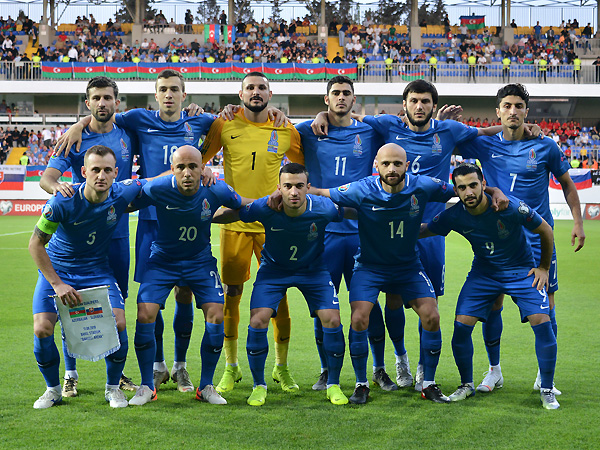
(513, 24)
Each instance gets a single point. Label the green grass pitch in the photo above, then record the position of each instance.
(508, 418)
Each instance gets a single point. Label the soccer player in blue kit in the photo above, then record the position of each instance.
(159, 134)
(503, 263)
(293, 256)
(521, 167)
(346, 154)
(390, 208)
(102, 98)
(181, 255)
(78, 231)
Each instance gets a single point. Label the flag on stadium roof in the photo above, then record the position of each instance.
(348, 70)
(56, 70)
(211, 32)
(88, 70)
(216, 71)
(188, 70)
(150, 70)
(122, 70)
(473, 22)
(240, 70)
(310, 71)
(278, 71)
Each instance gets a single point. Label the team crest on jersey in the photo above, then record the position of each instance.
(206, 214)
(111, 219)
(436, 218)
(436, 148)
(344, 187)
(313, 232)
(531, 161)
(357, 145)
(273, 144)
(189, 133)
(502, 231)
(414, 206)
(48, 211)
(124, 151)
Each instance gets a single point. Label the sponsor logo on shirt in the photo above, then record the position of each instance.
(111, 219)
(124, 151)
(206, 214)
(531, 161)
(189, 133)
(414, 206)
(357, 145)
(273, 144)
(436, 148)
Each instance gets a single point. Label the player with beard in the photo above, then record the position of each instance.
(503, 263)
(390, 208)
(253, 149)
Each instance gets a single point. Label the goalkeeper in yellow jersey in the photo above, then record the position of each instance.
(253, 149)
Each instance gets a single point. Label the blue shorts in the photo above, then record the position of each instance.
(552, 273)
(118, 260)
(161, 275)
(339, 256)
(43, 297)
(410, 282)
(480, 290)
(147, 231)
(432, 253)
(271, 285)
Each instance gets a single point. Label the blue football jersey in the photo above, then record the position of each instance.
(294, 243)
(389, 224)
(346, 154)
(520, 168)
(158, 140)
(184, 221)
(81, 242)
(120, 142)
(428, 152)
(497, 238)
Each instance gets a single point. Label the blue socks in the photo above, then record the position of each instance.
(70, 363)
(335, 346)
(48, 359)
(359, 351)
(210, 351)
(395, 322)
(183, 322)
(545, 350)
(158, 337)
(257, 348)
(115, 362)
(319, 342)
(552, 314)
(492, 331)
(145, 349)
(431, 344)
(462, 348)
(376, 334)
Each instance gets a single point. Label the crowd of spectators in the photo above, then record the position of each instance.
(39, 144)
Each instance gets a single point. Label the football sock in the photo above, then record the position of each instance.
(359, 351)
(210, 351)
(431, 342)
(183, 322)
(231, 352)
(376, 334)
(395, 322)
(492, 331)
(552, 314)
(48, 359)
(335, 346)
(257, 348)
(71, 374)
(115, 362)
(159, 329)
(462, 348)
(231, 321)
(281, 332)
(145, 349)
(70, 363)
(319, 342)
(545, 350)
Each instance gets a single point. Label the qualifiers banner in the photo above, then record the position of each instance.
(21, 207)
(90, 328)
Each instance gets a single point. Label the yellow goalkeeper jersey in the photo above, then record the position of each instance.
(252, 155)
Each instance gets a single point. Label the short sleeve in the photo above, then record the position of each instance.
(253, 212)
(441, 223)
(346, 195)
(526, 215)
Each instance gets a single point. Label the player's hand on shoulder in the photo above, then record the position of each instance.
(208, 177)
(229, 111)
(533, 131)
(194, 110)
(69, 138)
(67, 294)
(277, 116)
(450, 112)
(66, 189)
(275, 201)
(320, 126)
(499, 200)
(540, 279)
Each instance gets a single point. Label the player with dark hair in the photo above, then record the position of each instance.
(293, 257)
(253, 148)
(521, 167)
(503, 263)
(78, 231)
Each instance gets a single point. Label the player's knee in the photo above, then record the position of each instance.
(234, 289)
(183, 294)
(431, 320)
(360, 321)
(213, 313)
(259, 320)
(331, 320)
(43, 330)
